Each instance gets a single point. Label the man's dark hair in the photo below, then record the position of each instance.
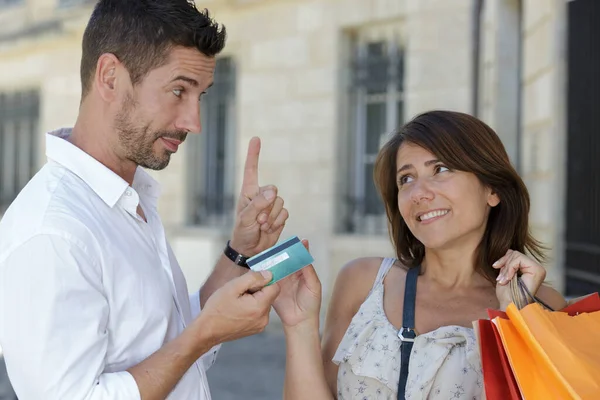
(140, 33)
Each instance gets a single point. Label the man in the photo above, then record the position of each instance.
(93, 304)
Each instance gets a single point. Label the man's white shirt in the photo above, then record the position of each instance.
(88, 288)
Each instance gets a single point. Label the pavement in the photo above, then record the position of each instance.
(252, 368)
(6, 392)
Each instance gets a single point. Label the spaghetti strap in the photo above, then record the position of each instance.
(385, 267)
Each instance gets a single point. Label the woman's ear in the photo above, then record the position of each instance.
(493, 199)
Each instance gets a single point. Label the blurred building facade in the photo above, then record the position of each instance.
(323, 82)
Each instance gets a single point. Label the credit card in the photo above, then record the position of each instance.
(282, 260)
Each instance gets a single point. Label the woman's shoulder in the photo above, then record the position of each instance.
(363, 269)
(363, 265)
(359, 275)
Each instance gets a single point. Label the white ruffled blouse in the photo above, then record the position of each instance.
(444, 363)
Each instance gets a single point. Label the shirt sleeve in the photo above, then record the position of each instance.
(53, 323)
(208, 358)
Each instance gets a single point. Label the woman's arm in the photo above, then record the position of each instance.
(351, 288)
(308, 375)
(304, 375)
(551, 297)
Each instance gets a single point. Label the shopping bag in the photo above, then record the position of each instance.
(566, 348)
(499, 381)
(531, 373)
(515, 362)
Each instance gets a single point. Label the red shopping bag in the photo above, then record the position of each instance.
(499, 381)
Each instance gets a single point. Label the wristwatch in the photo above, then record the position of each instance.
(234, 256)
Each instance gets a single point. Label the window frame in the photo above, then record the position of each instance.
(19, 136)
(363, 210)
(211, 200)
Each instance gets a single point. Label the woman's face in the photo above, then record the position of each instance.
(442, 208)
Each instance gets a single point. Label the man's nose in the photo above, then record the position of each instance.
(189, 121)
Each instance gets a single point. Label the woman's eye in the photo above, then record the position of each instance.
(177, 92)
(441, 168)
(404, 179)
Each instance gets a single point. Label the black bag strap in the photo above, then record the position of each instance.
(527, 294)
(407, 333)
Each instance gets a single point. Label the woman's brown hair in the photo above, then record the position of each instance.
(462, 143)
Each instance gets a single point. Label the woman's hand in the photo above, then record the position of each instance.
(533, 275)
(300, 298)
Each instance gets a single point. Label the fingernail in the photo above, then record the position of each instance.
(269, 194)
(266, 274)
(499, 278)
(262, 218)
(494, 264)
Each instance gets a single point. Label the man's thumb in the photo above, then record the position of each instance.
(305, 243)
(263, 201)
(252, 281)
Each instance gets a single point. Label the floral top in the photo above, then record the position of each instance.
(444, 363)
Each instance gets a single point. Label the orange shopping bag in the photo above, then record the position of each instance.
(534, 381)
(514, 368)
(567, 349)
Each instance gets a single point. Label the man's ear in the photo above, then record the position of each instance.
(105, 79)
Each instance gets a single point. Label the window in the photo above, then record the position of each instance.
(498, 80)
(376, 110)
(4, 3)
(19, 118)
(212, 154)
(68, 3)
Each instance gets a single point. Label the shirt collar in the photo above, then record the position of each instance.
(145, 184)
(109, 186)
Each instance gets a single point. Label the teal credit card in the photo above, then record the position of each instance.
(282, 260)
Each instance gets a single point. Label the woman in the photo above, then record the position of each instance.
(458, 217)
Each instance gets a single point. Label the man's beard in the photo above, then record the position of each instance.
(137, 142)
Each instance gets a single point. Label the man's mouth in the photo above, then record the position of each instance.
(171, 144)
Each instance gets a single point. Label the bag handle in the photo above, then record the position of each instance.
(521, 296)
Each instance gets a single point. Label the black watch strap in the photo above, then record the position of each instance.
(236, 257)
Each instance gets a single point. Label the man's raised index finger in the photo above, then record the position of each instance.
(251, 168)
